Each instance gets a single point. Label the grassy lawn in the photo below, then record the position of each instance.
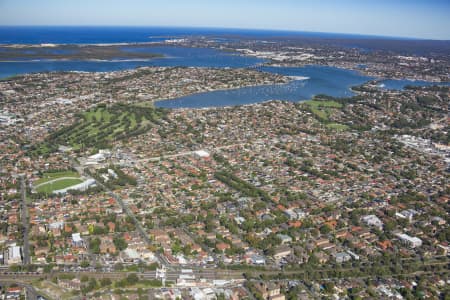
(320, 113)
(57, 185)
(337, 126)
(50, 176)
(98, 115)
(323, 110)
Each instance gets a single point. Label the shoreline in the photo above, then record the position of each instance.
(233, 106)
(357, 70)
(84, 60)
(268, 63)
(222, 90)
(54, 45)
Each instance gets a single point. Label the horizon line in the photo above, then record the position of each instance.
(362, 35)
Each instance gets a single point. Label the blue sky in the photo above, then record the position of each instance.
(402, 18)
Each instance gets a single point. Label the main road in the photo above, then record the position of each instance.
(187, 153)
(25, 221)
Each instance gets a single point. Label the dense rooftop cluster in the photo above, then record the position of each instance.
(344, 197)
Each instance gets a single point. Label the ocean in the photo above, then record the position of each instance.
(99, 35)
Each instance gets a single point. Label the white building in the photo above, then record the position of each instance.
(56, 225)
(14, 254)
(285, 239)
(258, 259)
(202, 154)
(95, 159)
(291, 214)
(342, 257)
(372, 221)
(112, 174)
(353, 255)
(78, 187)
(407, 214)
(412, 242)
(77, 240)
(300, 213)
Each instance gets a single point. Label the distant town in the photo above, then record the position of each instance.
(106, 196)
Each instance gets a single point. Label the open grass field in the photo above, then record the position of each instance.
(54, 175)
(63, 183)
(337, 126)
(323, 110)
